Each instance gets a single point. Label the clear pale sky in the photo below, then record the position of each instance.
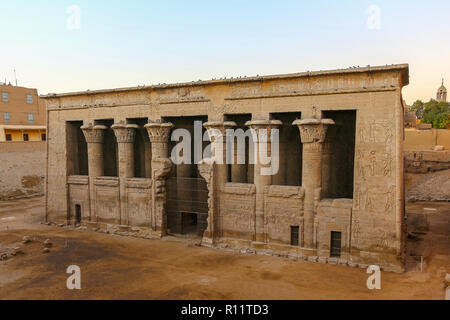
(129, 43)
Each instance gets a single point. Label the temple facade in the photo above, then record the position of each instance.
(337, 195)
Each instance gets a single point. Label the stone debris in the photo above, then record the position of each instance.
(16, 251)
(26, 239)
(48, 243)
(46, 250)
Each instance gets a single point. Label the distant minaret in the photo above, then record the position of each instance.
(441, 95)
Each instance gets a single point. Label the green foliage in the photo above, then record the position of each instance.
(437, 113)
(418, 108)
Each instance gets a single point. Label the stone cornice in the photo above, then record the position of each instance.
(404, 68)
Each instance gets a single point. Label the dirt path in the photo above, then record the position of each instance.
(115, 267)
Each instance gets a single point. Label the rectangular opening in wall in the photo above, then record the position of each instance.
(142, 149)
(290, 150)
(240, 171)
(25, 137)
(295, 236)
(193, 125)
(109, 148)
(8, 137)
(338, 157)
(77, 158)
(77, 214)
(335, 245)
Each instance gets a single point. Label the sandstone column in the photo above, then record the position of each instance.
(262, 132)
(94, 136)
(161, 165)
(125, 135)
(312, 133)
(217, 131)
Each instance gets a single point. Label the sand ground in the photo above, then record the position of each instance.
(115, 267)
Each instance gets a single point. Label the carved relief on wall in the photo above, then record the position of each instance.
(373, 164)
(370, 199)
(356, 232)
(283, 208)
(237, 212)
(378, 131)
(239, 90)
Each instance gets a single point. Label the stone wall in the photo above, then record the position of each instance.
(426, 139)
(426, 161)
(22, 169)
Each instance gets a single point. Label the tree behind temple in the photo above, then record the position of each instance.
(436, 113)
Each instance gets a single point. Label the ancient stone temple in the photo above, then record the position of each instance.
(336, 197)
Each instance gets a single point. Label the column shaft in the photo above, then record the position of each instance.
(161, 165)
(262, 131)
(94, 136)
(125, 135)
(313, 133)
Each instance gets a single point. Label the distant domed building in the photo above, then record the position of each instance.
(441, 95)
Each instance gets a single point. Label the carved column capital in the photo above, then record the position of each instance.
(219, 128)
(159, 132)
(313, 130)
(94, 134)
(262, 129)
(125, 133)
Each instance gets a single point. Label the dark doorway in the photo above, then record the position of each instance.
(141, 146)
(189, 223)
(335, 246)
(77, 214)
(109, 149)
(290, 150)
(341, 155)
(295, 236)
(77, 157)
(240, 173)
(187, 192)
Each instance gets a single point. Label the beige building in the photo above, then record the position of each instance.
(22, 114)
(338, 195)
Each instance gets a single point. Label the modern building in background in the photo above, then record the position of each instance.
(22, 114)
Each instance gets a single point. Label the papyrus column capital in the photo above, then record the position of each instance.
(94, 134)
(159, 132)
(313, 130)
(125, 133)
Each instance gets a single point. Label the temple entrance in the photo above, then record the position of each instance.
(187, 206)
(187, 192)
